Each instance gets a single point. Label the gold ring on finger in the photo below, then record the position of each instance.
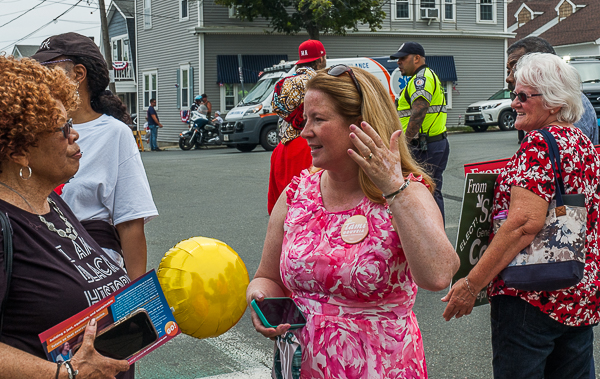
(370, 155)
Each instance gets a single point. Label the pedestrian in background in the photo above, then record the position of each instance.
(588, 121)
(422, 111)
(153, 124)
(292, 154)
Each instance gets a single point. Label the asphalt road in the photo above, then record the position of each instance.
(222, 193)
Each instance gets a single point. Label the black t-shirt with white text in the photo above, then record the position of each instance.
(53, 277)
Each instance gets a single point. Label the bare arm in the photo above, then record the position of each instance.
(17, 364)
(417, 219)
(526, 216)
(418, 112)
(267, 280)
(133, 243)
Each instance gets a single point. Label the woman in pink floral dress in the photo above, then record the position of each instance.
(357, 292)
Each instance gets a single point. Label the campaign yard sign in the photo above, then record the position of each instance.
(474, 225)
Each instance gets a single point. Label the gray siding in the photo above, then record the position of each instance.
(117, 25)
(479, 76)
(167, 45)
(171, 42)
(218, 16)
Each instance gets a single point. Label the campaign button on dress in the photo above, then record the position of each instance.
(355, 229)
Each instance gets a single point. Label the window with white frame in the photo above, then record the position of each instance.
(486, 11)
(147, 14)
(183, 10)
(402, 9)
(184, 87)
(120, 48)
(428, 4)
(449, 7)
(448, 93)
(150, 87)
(229, 96)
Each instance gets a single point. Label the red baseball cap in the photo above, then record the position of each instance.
(310, 50)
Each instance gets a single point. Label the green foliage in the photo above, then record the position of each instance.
(314, 16)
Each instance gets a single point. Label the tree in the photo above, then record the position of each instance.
(314, 16)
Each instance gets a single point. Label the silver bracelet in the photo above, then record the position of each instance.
(390, 198)
(469, 287)
(70, 370)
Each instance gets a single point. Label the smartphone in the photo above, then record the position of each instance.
(274, 311)
(127, 336)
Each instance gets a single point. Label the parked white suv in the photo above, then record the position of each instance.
(494, 111)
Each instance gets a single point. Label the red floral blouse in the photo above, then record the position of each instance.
(530, 168)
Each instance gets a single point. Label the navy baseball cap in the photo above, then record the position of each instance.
(407, 49)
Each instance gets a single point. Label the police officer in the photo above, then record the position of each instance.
(422, 112)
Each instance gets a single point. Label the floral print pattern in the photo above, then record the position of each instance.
(530, 168)
(357, 298)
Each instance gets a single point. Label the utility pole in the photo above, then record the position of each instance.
(107, 49)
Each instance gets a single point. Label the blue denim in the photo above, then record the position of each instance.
(434, 160)
(153, 135)
(528, 344)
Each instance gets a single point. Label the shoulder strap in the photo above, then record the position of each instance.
(555, 161)
(8, 261)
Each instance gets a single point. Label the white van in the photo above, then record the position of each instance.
(252, 121)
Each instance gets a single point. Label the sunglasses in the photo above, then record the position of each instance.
(340, 69)
(66, 128)
(522, 96)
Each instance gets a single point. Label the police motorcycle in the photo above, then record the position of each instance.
(202, 132)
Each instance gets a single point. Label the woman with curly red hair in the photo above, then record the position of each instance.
(50, 247)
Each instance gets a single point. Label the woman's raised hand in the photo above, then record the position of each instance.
(381, 164)
(258, 325)
(92, 365)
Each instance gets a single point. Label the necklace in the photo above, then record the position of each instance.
(69, 231)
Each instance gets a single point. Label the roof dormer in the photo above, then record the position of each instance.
(525, 14)
(565, 8)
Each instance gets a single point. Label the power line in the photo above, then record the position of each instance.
(50, 35)
(43, 26)
(23, 14)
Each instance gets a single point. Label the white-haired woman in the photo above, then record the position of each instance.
(543, 334)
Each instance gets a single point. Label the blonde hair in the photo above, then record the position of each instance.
(374, 107)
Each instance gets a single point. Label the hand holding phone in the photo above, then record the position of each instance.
(274, 311)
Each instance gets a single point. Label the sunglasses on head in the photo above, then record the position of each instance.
(340, 69)
(66, 128)
(522, 96)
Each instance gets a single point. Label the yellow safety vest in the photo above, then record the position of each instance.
(425, 83)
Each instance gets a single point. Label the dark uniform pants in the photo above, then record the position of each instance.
(434, 160)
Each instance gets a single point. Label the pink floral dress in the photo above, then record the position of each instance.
(357, 298)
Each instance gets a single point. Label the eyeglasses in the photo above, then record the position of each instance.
(66, 128)
(522, 96)
(340, 69)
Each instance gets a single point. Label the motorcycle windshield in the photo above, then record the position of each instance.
(260, 91)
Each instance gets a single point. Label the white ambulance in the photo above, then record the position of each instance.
(253, 122)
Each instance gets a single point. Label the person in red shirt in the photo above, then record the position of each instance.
(292, 154)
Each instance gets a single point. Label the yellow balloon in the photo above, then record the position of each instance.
(204, 281)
